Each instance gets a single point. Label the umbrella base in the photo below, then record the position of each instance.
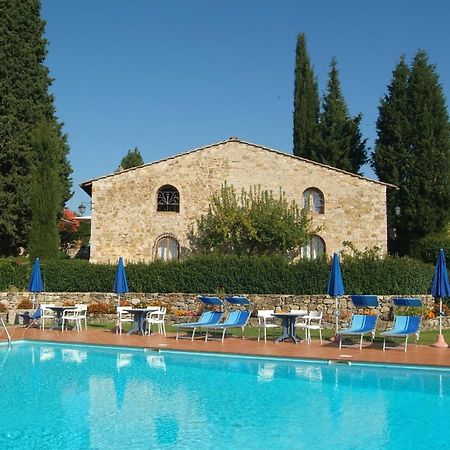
(440, 343)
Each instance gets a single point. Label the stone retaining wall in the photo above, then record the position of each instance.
(181, 306)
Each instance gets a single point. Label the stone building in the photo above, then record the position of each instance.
(144, 213)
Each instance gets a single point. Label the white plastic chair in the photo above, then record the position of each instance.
(123, 317)
(73, 355)
(123, 360)
(266, 372)
(265, 319)
(157, 318)
(70, 315)
(82, 315)
(47, 313)
(302, 320)
(46, 354)
(314, 323)
(157, 362)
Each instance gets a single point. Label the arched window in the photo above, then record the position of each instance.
(167, 248)
(314, 248)
(313, 201)
(168, 199)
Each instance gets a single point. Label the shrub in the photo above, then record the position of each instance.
(101, 308)
(25, 304)
(212, 274)
(254, 222)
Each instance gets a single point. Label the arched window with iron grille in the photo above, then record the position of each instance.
(168, 199)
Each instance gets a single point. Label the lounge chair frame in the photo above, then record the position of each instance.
(403, 327)
(235, 319)
(207, 318)
(361, 325)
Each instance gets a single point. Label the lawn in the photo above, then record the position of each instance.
(426, 337)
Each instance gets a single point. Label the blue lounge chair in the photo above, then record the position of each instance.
(361, 324)
(207, 318)
(404, 326)
(30, 321)
(235, 319)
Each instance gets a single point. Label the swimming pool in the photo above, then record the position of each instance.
(78, 397)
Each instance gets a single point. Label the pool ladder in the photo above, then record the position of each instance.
(6, 329)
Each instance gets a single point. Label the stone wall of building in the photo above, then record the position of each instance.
(125, 220)
(181, 307)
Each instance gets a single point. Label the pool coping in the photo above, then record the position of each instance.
(163, 349)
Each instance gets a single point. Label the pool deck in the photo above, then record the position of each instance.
(372, 353)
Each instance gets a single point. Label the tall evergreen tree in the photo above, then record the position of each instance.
(306, 103)
(132, 159)
(342, 145)
(24, 102)
(427, 188)
(45, 193)
(417, 156)
(391, 158)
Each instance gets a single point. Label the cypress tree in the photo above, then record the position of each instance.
(391, 157)
(45, 193)
(342, 143)
(24, 102)
(306, 103)
(413, 150)
(427, 188)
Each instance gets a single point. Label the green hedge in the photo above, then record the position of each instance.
(220, 275)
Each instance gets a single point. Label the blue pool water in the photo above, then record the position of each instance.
(55, 396)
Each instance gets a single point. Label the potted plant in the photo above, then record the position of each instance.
(23, 307)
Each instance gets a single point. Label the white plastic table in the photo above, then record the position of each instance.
(288, 326)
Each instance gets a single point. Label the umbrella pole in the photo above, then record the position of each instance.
(336, 313)
(335, 338)
(440, 343)
(117, 325)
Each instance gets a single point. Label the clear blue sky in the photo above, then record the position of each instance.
(171, 75)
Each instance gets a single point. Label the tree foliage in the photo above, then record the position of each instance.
(252, 223)
(391, 158)
(413, 151)
(25, 102)
(342, 145)
(324, 133)
(45, 194)
(306, 104)
(68, 226)
(132, 159)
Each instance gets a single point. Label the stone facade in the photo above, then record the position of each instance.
(125, 220)
(181, 307)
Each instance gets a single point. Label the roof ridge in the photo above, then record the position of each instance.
(235, 139)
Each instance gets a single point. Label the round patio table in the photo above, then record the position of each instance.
(288, 326)
(139, 323)
(58, 315)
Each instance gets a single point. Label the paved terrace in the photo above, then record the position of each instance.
(422, 355)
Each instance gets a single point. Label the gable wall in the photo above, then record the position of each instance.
(125, 221)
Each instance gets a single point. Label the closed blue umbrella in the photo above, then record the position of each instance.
(36, 284)
(335, 284)
(440, 289)
(120, 282)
